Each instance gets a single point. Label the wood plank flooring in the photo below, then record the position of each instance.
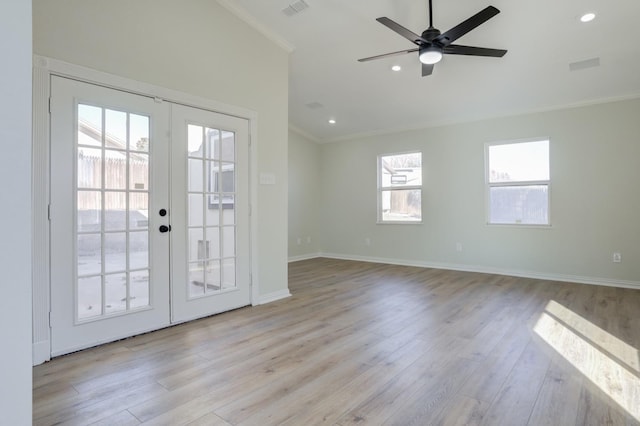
(362, 343)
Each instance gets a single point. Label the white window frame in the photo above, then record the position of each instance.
(381, 189)
(489, 184)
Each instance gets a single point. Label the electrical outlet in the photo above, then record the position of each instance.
(299, 240)
(458, 246)
(367, 241)
(616, 257)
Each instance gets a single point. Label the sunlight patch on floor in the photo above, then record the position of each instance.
(608, 362)
(619, 349)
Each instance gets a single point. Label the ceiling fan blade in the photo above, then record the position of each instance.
(456, 49)
(409, 35)
(461, 29)
(386, 55)
(427, 69)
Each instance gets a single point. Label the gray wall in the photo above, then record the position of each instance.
(595, 200)
(15, 214)
(197, 47)
(304, 194)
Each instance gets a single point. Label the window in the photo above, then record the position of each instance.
(518, 183)
(400, 188)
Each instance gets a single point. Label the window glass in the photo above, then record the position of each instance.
(400, 188)
(526, 161)
(518, 182)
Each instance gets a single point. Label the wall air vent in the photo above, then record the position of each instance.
(295, 8)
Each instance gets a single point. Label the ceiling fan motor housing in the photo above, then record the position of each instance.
(430, 34)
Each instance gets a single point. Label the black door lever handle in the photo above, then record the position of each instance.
(165, 228)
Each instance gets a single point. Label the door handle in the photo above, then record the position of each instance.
(165, 228)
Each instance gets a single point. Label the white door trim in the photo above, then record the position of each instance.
(44, 68)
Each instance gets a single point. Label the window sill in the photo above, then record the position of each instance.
(399, 222)
(518, 225)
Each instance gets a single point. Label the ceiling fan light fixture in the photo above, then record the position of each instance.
(430, 55)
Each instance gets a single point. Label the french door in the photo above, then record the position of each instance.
(148, 223)
(210, 208)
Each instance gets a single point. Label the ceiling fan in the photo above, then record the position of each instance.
(432, 44)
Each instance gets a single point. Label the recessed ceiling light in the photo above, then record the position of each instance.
(588, 17)
(396, 68)
(332, 121)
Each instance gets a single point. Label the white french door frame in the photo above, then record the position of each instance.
(44, 68)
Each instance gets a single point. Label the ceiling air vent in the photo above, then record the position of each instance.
(314, 105)
(295, 8)
(587, 63)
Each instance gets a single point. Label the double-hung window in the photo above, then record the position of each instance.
(518, 182)
(400, 188)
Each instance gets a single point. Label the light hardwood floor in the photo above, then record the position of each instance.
(362, 343)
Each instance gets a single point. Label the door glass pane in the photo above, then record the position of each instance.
(89, 167)
(89, 297)
(228, 241)
(89, 125)
(89, 211)
(213, 240)
(115, 128)
(195, 209)
(115, 293)
(212, 213)
(113, 219)
(138, 133)
(228, 144)
(228, 273)
(212, 275)
(115, 252)
(139, 289)
(226, 182)
(115, 172)
(194, 141)
(198, 250)
(89, 254)
(213, 143)
(138, 210)
(138, 250)
(115, 211)
(195, 175)
(139, 171)
(229, 210)
(196, 279)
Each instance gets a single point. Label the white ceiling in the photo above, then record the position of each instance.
(542, 38)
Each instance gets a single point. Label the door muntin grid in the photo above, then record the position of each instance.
(211, 212)
(112, 212)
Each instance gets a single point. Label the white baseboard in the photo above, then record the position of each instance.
(272, 297)
(490, 270)
(304, 257)
(41, 352)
